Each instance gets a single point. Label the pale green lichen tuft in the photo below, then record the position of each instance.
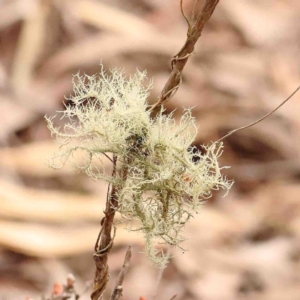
(166, 180)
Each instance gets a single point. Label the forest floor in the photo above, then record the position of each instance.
(242, 246)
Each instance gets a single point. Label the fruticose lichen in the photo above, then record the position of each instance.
(166, 179)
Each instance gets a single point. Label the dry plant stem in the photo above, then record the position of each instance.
(262, 118)
(117, 292)
(104, 241)
(181, 58)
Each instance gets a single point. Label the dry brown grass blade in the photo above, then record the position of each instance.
(50, 241)
(280, 169)
(101, 15)
(46, 241)
(259, 26)
(13, 118)
(13, 12)
(106, 47)
(31, 42)
(23, 203)
(35, 162)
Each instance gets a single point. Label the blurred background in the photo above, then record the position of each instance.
(243, 246)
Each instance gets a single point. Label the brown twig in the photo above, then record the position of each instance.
(105, 240)
(180, 59)
(117, 292)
